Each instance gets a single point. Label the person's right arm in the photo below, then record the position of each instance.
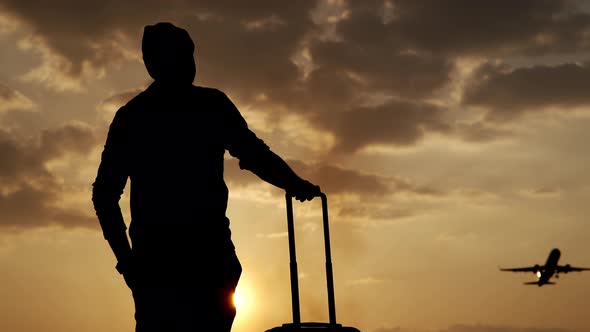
(107, 189)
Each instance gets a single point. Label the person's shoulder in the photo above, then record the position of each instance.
(133, 105)
(209, 92)
(139, 99)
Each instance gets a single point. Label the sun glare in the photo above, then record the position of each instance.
(238, 299)
(244, 299)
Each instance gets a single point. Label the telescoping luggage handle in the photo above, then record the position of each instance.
(293, 261)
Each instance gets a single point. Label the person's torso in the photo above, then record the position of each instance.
(176, 166)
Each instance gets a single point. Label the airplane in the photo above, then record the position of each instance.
(545, 272)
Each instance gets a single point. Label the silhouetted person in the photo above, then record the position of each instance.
(170, 141)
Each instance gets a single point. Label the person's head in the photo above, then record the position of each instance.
(168, 53)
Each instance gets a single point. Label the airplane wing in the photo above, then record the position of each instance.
(567, 268)
(523, 269)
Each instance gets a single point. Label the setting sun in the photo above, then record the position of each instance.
(238, 299)
(246, 309)
(243, 298)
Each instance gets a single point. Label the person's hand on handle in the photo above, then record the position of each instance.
(305, 191)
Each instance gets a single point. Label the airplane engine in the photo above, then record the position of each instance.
(537, 271)
(567, 268)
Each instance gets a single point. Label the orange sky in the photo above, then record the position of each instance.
(449, 136)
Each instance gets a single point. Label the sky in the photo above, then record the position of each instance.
(449, 136)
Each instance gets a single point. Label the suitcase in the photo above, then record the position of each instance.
(297, 325)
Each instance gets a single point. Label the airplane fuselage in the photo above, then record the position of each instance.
(546, 272)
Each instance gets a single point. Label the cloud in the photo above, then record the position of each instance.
(75, 137)
(355, 196)
(367, 281)
(82, 41)
(508, 93)
(271, 22)
(396, 123)
(74, 42)
(11, 99)
(378, 65)
(337, 180)
(463, 27)
(333, 62)
(36, 207)
(347, 74)
(336, 63)
(480, 132)
(31, 196)
(542, 192)
(373, 211)
(279, 235)
(8, 24)
(377, 62)
(24, 161)
(332, 179)
(56, 71)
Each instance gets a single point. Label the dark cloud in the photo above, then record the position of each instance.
(351, 74)
(19, 160)
(25, 206)
(263, 31)
(30, 195)
(35, 207)
(354, 194)
(336, 180)
(370, 67)
(6, 93)
(407, 52)
(480, 132)
(333, 179)
(463, 27)
(507, 93)
(72, 137)
(11, 99)
(247, 61)
(394, 123)
(382, 66)
(94, 34)
(543, 192)
(374, 53)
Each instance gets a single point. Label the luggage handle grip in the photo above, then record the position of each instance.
(293, 260)
(320, 194)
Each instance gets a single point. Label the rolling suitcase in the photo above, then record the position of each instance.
(297, 325)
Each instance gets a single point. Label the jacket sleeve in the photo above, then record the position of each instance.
(238, 139)
(112, 176)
